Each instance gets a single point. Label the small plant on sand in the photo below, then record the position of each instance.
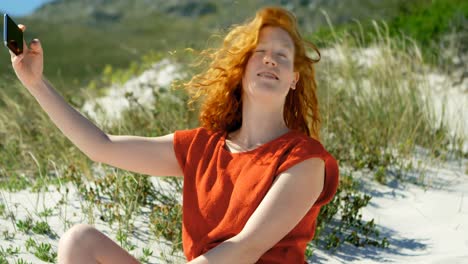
(347, 203)
(42, 228)
(7, 235)
(43, 251)
(123, 239)
(9, 251)
(25, 225)
(22, 261)
(2, 209)
(47, 212)
(146, 254)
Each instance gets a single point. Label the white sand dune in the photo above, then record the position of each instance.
(424, 223)
(160, 75)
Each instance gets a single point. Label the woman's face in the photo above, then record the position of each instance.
(270, 68)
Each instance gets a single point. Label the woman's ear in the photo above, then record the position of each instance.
(296, 79)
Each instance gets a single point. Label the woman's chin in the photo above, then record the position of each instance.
(268, 89)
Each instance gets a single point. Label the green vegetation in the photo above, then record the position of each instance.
(435, 25)
(25, 225)
(22, 261)
(42, 251)
(146, 254)
(42, 228)
(378, 114)
(8, 236)
(9, 251)
(351, 228)
(430, 21)
(2, 209)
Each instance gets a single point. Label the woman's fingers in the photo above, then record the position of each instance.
(12, 54)
(16, 59)
(35, 43)
(36, 46)
(25, 46)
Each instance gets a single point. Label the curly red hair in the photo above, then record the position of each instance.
(220, 84)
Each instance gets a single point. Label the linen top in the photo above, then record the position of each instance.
(221, 189)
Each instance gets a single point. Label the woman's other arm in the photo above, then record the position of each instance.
(274, 218)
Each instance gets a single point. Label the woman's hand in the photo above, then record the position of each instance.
(29, 65)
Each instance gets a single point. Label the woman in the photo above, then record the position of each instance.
(255, 174)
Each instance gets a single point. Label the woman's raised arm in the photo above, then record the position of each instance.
(152, 156)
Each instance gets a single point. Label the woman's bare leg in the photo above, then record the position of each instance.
(85, 244)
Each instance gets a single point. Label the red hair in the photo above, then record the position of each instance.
(220, 84)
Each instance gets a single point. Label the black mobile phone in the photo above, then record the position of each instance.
(12, 35)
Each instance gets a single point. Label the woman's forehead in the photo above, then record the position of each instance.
(275, 35)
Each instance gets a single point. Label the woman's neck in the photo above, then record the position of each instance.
(259, 125)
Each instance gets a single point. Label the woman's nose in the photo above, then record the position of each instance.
(268, 59)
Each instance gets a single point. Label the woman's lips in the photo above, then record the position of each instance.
(268, 75)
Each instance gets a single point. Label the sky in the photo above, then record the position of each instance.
(20, 7)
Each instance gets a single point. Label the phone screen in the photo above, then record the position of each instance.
(12, 35)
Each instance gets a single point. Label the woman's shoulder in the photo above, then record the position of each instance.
(304, 144)
(192, 135)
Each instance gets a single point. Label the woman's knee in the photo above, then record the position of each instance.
(79, 237)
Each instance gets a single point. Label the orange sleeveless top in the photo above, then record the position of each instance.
(221, 189)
